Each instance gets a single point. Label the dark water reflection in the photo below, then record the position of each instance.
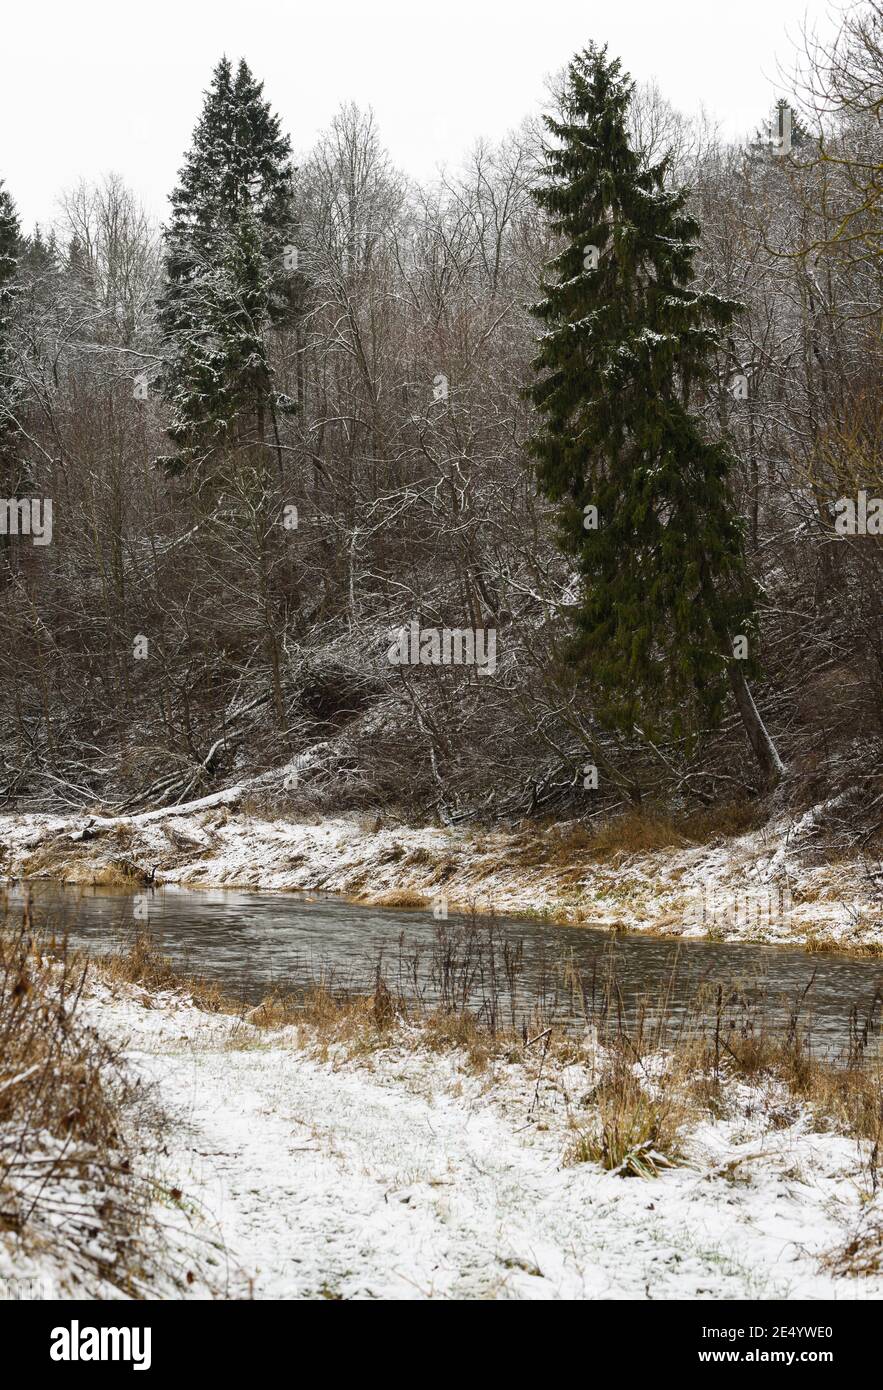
(252, 942)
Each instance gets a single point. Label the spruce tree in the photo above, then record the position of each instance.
(646, 508)
(226, 280)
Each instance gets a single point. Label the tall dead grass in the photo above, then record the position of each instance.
(75, 1194)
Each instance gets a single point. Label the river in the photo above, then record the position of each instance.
(512, 971)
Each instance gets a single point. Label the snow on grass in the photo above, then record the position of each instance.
(399, 1173)
(81, 1214)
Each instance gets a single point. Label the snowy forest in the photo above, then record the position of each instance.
(441, 673)
(602, 399)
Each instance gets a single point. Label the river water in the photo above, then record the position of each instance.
(510, 970)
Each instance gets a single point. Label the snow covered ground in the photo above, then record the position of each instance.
(400, 1174)
(766, 885)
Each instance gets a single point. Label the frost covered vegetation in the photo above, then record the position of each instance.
(81, 1211)
(717, 874)
(361, 1144)
(303, 417)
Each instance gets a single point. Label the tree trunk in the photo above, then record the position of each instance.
(764, 749)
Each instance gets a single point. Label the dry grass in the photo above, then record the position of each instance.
(349, 1025)
(123, 834)
(636, 832)
(728, 819)
(818, 944)
(635, 1131)
(642, 832)
(573, 844)
(73, 1094)
(402, 897)
(141, 962)
(420, 856)
(648, 1080)
(638, 1115)
(63, 861)
(70, 1185)
(118, 873)
(844, 1094)
(461, 1032)
(861, 1256)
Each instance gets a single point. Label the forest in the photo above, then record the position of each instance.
(441, 678)
(264, 465)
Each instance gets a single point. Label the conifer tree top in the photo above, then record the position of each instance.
(239, 158)
(627, 343)
(225, 285)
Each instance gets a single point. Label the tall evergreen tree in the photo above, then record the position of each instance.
(664, 588)
(225, 279)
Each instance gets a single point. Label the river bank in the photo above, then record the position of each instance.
(356, 1155)
(770, 884)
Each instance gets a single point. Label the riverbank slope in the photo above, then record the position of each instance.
(775, 883)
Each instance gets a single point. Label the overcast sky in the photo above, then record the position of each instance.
(89, 86)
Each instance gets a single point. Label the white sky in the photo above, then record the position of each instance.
(89, 86)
